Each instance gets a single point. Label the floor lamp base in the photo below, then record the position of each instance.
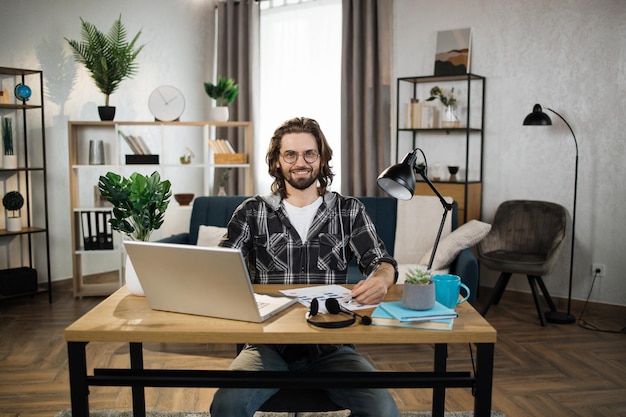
(559, 317)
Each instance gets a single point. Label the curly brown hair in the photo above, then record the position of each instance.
(299, 125)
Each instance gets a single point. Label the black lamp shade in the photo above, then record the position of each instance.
(537, 117)
(399, 180)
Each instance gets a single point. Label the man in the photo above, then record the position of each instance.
(303, 234)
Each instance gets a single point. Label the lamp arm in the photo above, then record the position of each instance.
(447, 207)
(571, 262)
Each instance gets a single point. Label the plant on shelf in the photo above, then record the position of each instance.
(13, 201)
(446, 99)
(7, 135)
(224, 92)
(109, 58)
(139, 202)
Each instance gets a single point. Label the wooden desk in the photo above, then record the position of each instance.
(123, 317)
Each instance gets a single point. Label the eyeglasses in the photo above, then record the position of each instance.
(309, 156)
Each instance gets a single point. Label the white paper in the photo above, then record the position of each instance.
(322, 292)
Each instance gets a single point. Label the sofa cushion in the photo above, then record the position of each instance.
(210, 235)
(450, 246)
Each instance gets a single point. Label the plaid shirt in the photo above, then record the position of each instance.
(341, 230)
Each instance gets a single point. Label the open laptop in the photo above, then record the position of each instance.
(205, 281)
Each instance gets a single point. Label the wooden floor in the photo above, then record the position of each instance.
(556, 371)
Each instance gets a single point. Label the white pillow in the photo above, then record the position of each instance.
(210, 235)
(450, 246)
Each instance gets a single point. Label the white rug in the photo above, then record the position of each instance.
(114, 413)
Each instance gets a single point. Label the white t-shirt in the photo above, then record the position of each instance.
(302, 217)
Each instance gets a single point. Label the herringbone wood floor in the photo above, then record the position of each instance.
(556, 371)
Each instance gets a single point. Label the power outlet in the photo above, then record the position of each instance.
(597, 270)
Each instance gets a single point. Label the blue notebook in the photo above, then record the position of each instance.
(403, 314)
(380, 317)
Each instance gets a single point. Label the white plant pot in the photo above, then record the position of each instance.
(219, 114)
(9, 161)
(132, 281)
(14, 224)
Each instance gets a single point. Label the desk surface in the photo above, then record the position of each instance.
(123, 317)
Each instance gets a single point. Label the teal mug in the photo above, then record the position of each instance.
(447, 290)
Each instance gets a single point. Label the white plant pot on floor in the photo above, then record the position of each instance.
(132, 281)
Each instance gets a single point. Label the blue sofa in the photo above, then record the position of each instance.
(217, 211)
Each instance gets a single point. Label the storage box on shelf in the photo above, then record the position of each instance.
(419, 125)
(185, 158)
(26, 259)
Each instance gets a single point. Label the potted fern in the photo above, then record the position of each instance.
(419, 289)
(9, 159)
(223, 92)
(109, 58)
(13, 201)
(139, 204)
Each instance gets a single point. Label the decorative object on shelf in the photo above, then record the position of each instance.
(184, 199)
(419, 291)
(13, 201)
(539, 118)
(186, 158)
(139, 204)
(452, 55)
(166, 103)
(96, 152)
(22, 92)
(224, 181)
(449, 118)
(399, 182)
(453, 170)
(4, 96)
(223, 92)
(9, 159)
(109, 58)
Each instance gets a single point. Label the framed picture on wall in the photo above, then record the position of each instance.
(452, 56)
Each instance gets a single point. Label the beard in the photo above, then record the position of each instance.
(301, 183)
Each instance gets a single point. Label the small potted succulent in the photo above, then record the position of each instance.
(223, 92)
(419, 289)
(109, 58)
(13, 201)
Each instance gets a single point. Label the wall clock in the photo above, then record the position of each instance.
(166, 103)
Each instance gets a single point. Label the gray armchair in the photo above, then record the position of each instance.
(525, 238)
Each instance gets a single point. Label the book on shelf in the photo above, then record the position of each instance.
(380, 317)
(221, 146)
(96, 230)
(403, 314)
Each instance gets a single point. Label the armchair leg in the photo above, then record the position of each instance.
(532, 281)
(546, 294)
(498, 290)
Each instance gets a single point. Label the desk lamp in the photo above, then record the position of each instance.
(399, 182)
(539, 118)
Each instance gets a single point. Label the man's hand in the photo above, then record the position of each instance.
(373, 289)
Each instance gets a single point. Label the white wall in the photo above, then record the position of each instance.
(568, 55)
(178, 43)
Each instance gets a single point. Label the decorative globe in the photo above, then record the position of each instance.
(22, 92)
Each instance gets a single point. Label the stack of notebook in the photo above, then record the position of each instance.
(392, 313)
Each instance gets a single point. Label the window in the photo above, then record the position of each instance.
(300, 73)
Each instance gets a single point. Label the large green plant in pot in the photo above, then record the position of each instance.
(139, 202)
(109, 58)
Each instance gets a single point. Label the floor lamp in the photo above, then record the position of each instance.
(539, 118)
(399, 182)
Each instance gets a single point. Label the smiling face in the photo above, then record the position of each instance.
(301, 174)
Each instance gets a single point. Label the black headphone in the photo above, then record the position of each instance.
(333, 307)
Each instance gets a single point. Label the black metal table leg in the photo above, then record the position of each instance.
(138, 391)
(439, 393)
(484, 379)
(79, 390)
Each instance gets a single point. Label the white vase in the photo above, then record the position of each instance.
(9, 161)
(449, 118)
(132, 281)
(219, 114)
(14, 224)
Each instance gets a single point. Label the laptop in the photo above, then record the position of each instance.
(205, 281)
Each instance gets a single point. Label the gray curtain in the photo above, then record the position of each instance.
(365, 92)
(237, 37)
